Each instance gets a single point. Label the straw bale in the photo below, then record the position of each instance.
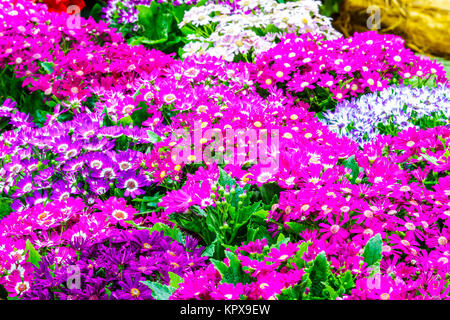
(424, 24)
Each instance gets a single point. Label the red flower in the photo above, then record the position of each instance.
(68, 6)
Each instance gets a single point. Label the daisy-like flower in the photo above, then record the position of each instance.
(116, 210)
(335, 229)
(132, 182)
(133, 289)
(16, 284)
(24, 186)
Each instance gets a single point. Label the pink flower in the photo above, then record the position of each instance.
(335, 230)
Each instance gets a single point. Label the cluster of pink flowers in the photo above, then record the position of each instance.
(343, 68)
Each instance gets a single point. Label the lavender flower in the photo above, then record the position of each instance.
(391, 110)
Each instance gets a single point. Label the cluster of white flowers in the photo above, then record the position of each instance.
(223, 30)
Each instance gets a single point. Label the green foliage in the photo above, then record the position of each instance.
(319, 278)
(318, 275)
(329, 7)
(175, 280)
(5, 207)
(158, 24)
(233, 273)
(372, 250)
(353, 165)
(298, 258)
(31, 103)
(160, 291)
(33, 256)
(270, 193)
(173, 232)
(149, 203)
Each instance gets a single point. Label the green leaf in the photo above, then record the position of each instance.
(154, 138)
(298, 258)
(201, 3)
(178, 12)
(33, 256)
(159, 291)
(163, 25)
(173, 232)
(146, 19)
(353, 165)
(296, 227)
(347, 281)
(225, 179)
(48, 67)
(175, 280)
(234, 273)
(372, 250)
(96, 11)
(260, 232)
(329, 7)
(243, 215)
(332, 293)
(318, 274)
(126, 121)
(5, 207)
(291, 293)
(187, 31)
(141, 114)
(431, 159)
(209, 250)
(269, 191)
(261, 214)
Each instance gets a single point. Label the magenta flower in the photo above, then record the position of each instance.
(132, 183)
(334, 230)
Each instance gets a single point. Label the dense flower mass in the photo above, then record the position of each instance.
(321, 70)
(319, 171)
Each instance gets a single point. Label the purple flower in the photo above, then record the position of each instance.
(133, 289)
(132, 183)
(24, 186)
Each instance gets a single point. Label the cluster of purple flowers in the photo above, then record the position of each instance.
(113, 268)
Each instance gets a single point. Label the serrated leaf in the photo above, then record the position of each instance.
(159, 291)
(154, 138)
(332, 293)
(290, 293)
(48, 67)
(353, 165)
(318, 274)
(347, 281)
(209, 250)
(175, 280)
(33, 256)
(233, 273)
(243, 215)
(431, 159)
(225, 179)
(296, 227)
(372, 250)
(298, 258)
